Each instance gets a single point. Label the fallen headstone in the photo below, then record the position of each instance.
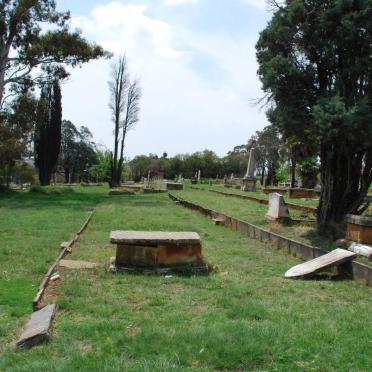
(73, 264)
(39, 328)
(310, 268)
(278, 210)
(361, 249)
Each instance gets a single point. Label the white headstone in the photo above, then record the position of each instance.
(278, 210)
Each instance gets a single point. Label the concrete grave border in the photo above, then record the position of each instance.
(358, 271)
(66, 248)
(297, 207)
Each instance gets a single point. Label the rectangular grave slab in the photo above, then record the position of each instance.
(310, 268)
(144, 250)
(359, 229)
(298, 193)
(39, 328)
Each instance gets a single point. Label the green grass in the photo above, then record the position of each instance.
(245, 316)
(32, 226)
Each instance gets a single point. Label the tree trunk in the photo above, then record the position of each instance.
(293, 172)
(345, 178)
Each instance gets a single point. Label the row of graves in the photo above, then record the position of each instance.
(155, 183)
(249, 183)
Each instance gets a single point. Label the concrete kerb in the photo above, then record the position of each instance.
(297, 207)
(66, 249)
(359, 271)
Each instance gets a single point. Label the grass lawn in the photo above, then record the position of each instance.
(245, 316)
(32, 226)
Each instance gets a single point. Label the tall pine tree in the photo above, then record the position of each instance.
(48, 131)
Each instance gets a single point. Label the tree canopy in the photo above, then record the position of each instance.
(315, 64)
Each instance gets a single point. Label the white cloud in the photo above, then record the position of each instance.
(180, 2)
(181, 111)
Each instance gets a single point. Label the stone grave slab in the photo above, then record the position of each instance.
(278, 210)
(157, 250)
(78, 265)
(39, 328)
(310, 268)
(359, 229)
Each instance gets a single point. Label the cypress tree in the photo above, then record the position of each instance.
(48, 131)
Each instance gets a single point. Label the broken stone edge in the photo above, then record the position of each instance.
(35, 332)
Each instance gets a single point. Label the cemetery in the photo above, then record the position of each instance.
(253, 256)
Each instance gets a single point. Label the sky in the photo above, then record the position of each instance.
(196, 63)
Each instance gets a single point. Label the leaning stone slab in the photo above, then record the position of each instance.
(39, 328)
(74, 264)
(278, 210)
(308, 269)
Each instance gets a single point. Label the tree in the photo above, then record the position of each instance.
(315, 66)
(78, 152)
(48, 131)
(124, 105)
(101, 170)
(16, 127)
(24, 48)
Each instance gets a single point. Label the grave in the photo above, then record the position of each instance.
(158, 252)
(359, 229)
(312, 267)
(174, 185)
(39, 328)
(269, 190)
(278, 210)
(121, 192)
(298, 193)
(249, 180)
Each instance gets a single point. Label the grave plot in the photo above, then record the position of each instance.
(158, 252)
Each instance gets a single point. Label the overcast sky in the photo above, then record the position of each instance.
(196, 63)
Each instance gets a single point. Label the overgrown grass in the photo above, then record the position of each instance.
(243, 317)
(32, 226)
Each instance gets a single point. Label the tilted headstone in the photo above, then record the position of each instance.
(278, 210)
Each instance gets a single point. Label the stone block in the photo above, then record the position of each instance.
(359, 229)
(278, 210)
(39, 328)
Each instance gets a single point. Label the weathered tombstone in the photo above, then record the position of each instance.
(310, 268)
(249, 180)
(199, 175)
(158, 251)
(39, 328)
(278, 210)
